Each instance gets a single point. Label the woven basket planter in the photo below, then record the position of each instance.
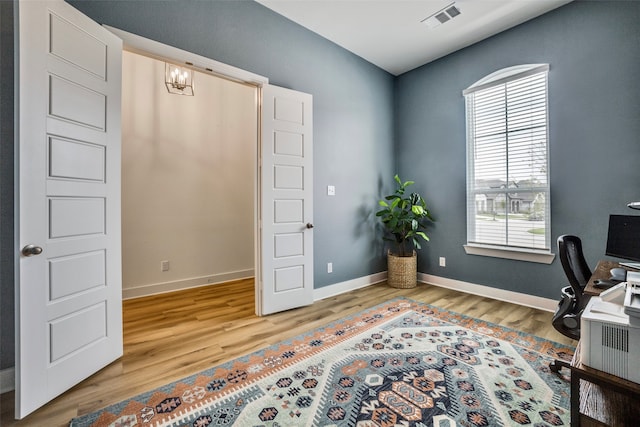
(402, 271)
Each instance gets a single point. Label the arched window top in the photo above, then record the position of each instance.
(504, 75)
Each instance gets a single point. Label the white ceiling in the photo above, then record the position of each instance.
(390, 34)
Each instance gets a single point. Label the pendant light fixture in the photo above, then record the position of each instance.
(179, 80)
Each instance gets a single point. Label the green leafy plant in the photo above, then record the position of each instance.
(403, 216)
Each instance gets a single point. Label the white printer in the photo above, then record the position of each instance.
(610, 330)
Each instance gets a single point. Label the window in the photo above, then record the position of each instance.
(507, 164)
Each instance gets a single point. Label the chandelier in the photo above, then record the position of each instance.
(179, 80)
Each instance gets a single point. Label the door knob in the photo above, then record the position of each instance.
(31, 250)
(309, 225)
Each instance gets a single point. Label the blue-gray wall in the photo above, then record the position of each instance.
(593, 48)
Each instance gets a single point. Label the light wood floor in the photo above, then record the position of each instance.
(170, 336)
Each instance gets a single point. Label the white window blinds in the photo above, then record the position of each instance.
(507, 165)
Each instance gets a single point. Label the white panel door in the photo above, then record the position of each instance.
(285, 277)
(69, 296)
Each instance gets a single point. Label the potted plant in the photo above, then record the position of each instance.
(403, 215)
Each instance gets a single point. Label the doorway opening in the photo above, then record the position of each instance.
(188, 180)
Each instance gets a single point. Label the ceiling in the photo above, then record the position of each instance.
(391, 34)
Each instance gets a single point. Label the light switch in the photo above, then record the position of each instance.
(331, 190)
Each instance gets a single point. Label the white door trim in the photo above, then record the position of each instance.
(162, 52)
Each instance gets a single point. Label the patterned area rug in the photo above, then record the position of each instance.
(402, 363)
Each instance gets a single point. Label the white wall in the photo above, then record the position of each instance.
(188, 173)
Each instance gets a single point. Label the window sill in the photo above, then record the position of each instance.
(542, 257)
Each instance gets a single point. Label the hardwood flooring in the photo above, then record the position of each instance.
(170, 336)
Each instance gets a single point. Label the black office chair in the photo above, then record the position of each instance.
(573, 300)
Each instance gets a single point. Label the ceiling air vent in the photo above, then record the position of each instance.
(442, 16)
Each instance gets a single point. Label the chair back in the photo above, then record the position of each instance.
(573, 262)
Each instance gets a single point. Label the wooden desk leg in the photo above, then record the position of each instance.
(574, 398)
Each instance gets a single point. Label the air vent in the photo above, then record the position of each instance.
(615, 350)
(440, 17)
(453, 11)
(615, 338)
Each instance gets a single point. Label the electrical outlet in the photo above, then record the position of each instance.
(331, 190)
(164, 265)
(329, 267)
(443, 261)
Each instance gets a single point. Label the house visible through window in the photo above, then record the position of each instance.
(508, 164)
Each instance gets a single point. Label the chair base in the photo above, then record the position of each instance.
(566, 319)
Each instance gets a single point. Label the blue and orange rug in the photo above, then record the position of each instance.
(402, 363)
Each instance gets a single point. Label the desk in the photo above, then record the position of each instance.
(601, 272)
(599, 398)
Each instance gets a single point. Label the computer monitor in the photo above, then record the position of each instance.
(623, 239)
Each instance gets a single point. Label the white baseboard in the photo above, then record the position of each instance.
(349, 285)
(443, 282)
(526, 300)
(177, 285)
(7, 379)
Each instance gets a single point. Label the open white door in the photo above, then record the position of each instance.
(285, 273)
(68, 290)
